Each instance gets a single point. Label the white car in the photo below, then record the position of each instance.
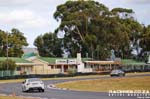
(33, 84)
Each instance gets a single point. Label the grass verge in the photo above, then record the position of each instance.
(21, 80)
(88, 76)
(11, 97)
(104, 85)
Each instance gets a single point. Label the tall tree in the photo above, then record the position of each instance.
(91, 28)
(17, 41)
(3, 42)
(75, 17)
(13, 41)
(49, 45)
(133, 28)
(8, 65)
(145, 38)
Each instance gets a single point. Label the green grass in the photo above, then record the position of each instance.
(104, 85)
(138, 73)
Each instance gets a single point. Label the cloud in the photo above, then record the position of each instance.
(34, 17)
(14, 2)
(22, 19)
(23, 3)
(135, 2)
(28, 13)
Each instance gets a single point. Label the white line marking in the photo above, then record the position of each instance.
(52, 86)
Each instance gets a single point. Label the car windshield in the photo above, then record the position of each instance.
(34, 79)
(114, 71)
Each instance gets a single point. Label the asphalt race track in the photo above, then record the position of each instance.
(51, 93)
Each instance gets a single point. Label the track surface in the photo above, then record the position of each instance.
(9, 88)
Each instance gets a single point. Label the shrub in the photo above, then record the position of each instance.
(71, 71)
(7, 65)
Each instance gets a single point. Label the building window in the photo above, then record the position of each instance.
(18, 68)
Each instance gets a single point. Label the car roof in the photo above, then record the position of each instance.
(117, 70)
(33, 79)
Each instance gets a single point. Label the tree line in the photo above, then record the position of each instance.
(91, 28)
(88, 27)
(7, 65)
(11, 44)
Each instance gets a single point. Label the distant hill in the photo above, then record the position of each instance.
(27, 50)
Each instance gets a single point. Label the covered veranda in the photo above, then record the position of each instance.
(63, 67)
(102, 66)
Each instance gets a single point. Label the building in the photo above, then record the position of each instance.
(32, 63)
(23, 66)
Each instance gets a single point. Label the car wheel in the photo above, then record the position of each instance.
(42, 90)
(27, 90)
(121, 75)
(22, 90)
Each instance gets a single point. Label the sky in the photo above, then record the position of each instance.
(35, 17)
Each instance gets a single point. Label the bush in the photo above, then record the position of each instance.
(72, 71)
(7, 65)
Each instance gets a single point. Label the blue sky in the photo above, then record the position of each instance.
(35, 17)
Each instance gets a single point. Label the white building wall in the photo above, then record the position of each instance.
(81, 68)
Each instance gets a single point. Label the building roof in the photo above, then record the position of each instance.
(103, 62)
(52, 60)
(28, 55)
(16, 59)
(131, 62)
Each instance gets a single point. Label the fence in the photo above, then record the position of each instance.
(126, 68)
(6, 73)
(136, 68)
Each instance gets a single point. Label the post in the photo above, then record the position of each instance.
(62, 68)
(148, 59)
(7, 50)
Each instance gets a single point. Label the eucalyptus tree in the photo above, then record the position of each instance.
(3, 43)
(75, 17)
(49, 45)
(145, 38)
(16, 41)
(90, 27)
(131, 26)
(13, 41)
(8, 65)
